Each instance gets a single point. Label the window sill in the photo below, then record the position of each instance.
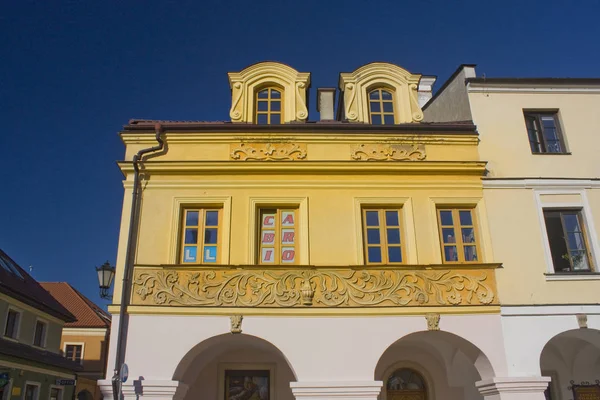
(11, 339)
(574, 276)
(551, 154)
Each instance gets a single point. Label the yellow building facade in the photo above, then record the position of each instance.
(274, 257)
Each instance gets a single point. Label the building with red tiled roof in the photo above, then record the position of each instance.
(84, 340)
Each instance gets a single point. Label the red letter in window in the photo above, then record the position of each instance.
(269, 220)
(288, 237)
(288, 255)
(267, 255)
(268, 237)
(289, 220)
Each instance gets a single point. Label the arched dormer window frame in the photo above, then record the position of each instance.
(377, 106)
(269, 105)
(246, 84)
(356, 86)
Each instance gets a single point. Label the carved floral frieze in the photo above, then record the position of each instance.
(313, 287)
(268, 151)
(388, 152)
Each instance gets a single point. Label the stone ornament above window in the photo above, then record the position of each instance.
(246, 84)
(357, 85)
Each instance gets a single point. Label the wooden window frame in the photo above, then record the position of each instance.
(459, 244)
(381, 102)
(201, 232)
(383, 235)
(61, 391)
(582, 226)
(278, 235)
(74, 344)
(17, 330)
(45, 333)
(541, 144)
(269, 102)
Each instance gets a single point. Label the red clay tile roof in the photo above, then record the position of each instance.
(88, 314)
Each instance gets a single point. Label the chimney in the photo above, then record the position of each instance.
(425, 89)
(325, 103)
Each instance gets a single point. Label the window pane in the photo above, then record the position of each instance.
(262, 119)
(375, 106)
(556, 241)
(393, 236)
(210, 236)
(391, 218)
(275, 106)
(388, 106)
(372, 218)
(571, 222)
(275, 94)
(465, 218)
(263, 106)
(575, 241)
(446, 217)
(190, 254)
(580, 260)
(275, 119)
(450, 253)
(468, 235)
(373, 236)
(394, 254)
(212, 218)
(374, 95)
(385, 95)
(470, 253)
(376, 119)
(210, 254)
(388, 120)
(191, 236)
(374, 254)
(263, 94)
(448, 235)
(191, 219)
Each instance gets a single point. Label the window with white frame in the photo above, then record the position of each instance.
(13, 320)
(55, 393)
(569, 245)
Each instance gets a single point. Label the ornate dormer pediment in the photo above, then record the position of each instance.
(270, 93)
(380, 93)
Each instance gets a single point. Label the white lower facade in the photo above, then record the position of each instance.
(508, 356)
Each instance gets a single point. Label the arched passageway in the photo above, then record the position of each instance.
(571, 357)
(430, 366)
(236, 366)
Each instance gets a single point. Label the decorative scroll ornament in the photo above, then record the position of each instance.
(349, 101)
(319, 288)
(235, 113)
(417, 113)
(301, 110)
(393, 152)
(236, 323)
(433, 321)
(582, 321)
(268, 151)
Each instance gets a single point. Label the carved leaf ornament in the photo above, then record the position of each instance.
(319, 288)
(268, 152)
(388, 153)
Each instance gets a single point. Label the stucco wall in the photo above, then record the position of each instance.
(505, 145)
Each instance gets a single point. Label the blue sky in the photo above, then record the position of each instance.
(73, 72)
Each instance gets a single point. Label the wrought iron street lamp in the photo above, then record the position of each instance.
(106, 275)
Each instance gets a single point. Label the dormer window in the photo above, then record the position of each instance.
(381, 107)
(268, 93)
(269, 107)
